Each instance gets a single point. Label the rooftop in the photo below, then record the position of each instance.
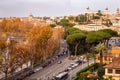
(115, 64)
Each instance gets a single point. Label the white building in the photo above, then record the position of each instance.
(90, 27)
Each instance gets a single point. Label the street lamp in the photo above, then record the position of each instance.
(81, 57)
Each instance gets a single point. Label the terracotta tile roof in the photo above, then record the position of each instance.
(115, 63)
(108, 54)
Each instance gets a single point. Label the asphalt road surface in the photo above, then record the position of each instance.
(50, 71)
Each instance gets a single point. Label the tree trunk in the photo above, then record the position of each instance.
(94, 57)
(31, 64)
(101, 61)
(88, 62)
(76, 47)
(6, 75)
(107, 41)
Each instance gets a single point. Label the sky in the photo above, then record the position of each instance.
(23, 8)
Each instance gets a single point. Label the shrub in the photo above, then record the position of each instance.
(90, 68)
(101, 72)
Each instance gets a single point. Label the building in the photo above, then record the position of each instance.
(94, 27)
(113, 69)
(92, 13)
(117, 12)
(115, 50)
(90, 27)
(112, 52)
(114, 41)
(107, 57)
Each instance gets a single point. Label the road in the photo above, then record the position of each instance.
(55, 68)
(72, 73)
(48, 72)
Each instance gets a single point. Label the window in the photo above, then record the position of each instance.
(105, 58)
(110, 59)
(98, 57)
(117, 71)
(110, 70)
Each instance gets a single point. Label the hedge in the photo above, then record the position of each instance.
(92, 67)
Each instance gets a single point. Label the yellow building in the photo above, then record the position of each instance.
(107, 57)
(115, 50)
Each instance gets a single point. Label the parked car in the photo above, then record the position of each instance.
(59, 62)
(31, 72)
(65, 70)
(37, 69)
(21, 77)
(44, 65)
(75, 65)
(69, 67)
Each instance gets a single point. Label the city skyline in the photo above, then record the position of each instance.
(21, 8)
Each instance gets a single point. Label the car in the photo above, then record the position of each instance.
(21, 77)
(59, 62)
(79, 61)
(44, 65)
(37, 69)
(31, 72)
(75, 65)
(69, 67)
(53, 77)
(49, 62)
(65, 70)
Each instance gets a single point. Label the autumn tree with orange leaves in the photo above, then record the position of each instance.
(8, 57)
(42, 41)
(38, 38)
(14, 27)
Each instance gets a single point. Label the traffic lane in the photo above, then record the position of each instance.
(60, 67)
(61, 56)
(52, 70)
(73, 72)
(44, 70)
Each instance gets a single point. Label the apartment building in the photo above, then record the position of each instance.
(113, 69)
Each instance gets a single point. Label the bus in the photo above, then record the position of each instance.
(62, 76)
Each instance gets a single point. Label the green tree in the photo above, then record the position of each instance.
(71, 18)
(65, 23)
(100, 48)
(111, 32)
(99, 13)
(52, 25)
(88, 56)
(73, 30)
(101, 72)
(76, 39)
(83, 18)
(83, 76)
